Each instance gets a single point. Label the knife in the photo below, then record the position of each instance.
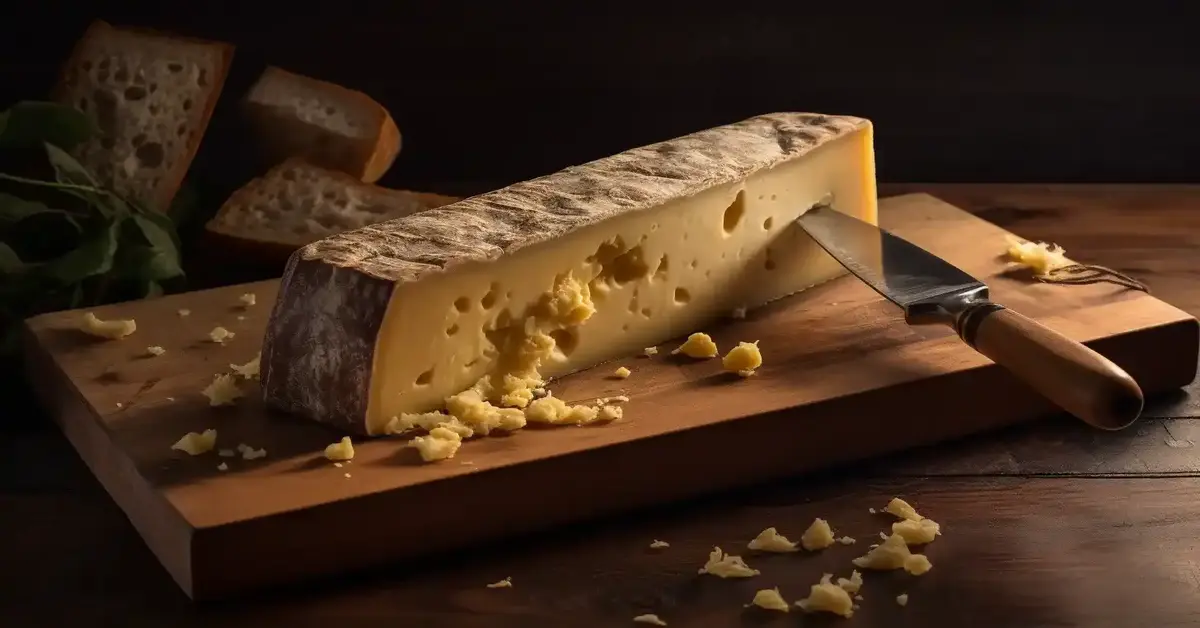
(932, 291)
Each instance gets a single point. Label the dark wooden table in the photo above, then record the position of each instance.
(1048, 524)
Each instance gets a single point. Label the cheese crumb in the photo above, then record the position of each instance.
(441, 443)
(1040, 257)
(657, 544)
(225, 453)
(220, 335)
(185, 312)
(249, 370)
(894, 554)
(871, 510)
(770, 599)
(698, 345)
(341, 450)
(771, 541)
(743, 359)
(902, 599)
(723, 565)
(250, 453)
(621, 372)
(846, 540)
(346, 475)
(223, 390)
(902, 509)
(828, 597)
(155, 351)
(649, 618)
(853, 584)
(650, 351)
(917, 564)
(917, 532)
(112, 330)
(501, 584)
(195, 444)
(223, 467)
(817, 536)
(248, 299)
(738, 313)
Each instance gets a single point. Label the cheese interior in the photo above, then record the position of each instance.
(650, 276)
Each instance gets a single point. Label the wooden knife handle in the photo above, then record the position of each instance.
(1079, 380)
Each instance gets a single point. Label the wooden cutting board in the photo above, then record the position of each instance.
(844, 378)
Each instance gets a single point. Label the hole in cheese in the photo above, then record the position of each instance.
(425, 378)
(664, 265)
(489, 299)
(769, 264)
(619, 265)
(646, 312)
(768, 223)
(453, 329)
(462, 304)
(566, 340)
(734, 213)
(682, 296)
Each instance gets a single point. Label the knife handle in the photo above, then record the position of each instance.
(1079, 380)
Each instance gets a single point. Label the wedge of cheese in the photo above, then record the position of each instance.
(497, 292)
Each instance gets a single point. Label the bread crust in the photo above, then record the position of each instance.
(160, 198)
(320, 342)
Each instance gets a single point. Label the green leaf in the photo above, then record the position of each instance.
(161, 235)
(93, 257)
(67, 169)
(14, 210)
(10, 262)
(30, 123)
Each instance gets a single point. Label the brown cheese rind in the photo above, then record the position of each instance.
(319, 347)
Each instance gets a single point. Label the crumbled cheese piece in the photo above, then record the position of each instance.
(828, 597)
(846, 540)
(738, 313)
(610, 413)
(112, 330)
(857, 598)
(883, 535)
(185, 312)
(853, 585)
(650, 351)
(609, 400)
(771, 541)
(902, 509)
(743, 359)
(501, 584)
(223, 390)
(871, 510)
(917, 532)
(1040, 257)
(698, 345)
(902, 599)
(225, 453)
(441, 443)
(170, 399)
(817, 536)
(346, 475)
(120, 405)
(249, 370)
(248, 299)
(250, 453)
(622, 372)
(338, 465)
(155, 351)
(724, 565)
(770, 599)
(220, 335)
(341, 450)
(894, 554)
(196, 444)
(223, 467)
(240, 317)
(657, 544)
(649, 618)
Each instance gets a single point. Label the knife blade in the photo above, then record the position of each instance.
(930, 290)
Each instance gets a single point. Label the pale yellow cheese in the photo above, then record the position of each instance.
(650, 351)
(645, 277)
(818, 536)
(441, 443)
(622, 372)
(892, 554)
(743, 359)
(917, 532)
(220, 335)
(223, 390)
(1040, 257)
(155, 351)
(341, 450)
(195, 444)
(250, 369)
(902, 599)
(902, 509)
(723, 565)
(501, 584)
(698, 345)
(185, 312)
(248, 299)
(828, 597)
(649, 618)
(771, 600)
(112, 330)
(853, 584)
(770, 540)
(250, 453)
(657, 544)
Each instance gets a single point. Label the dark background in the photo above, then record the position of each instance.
(495, 92)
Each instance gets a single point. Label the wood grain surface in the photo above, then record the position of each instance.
(1108, 541)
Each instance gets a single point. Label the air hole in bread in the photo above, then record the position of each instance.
(121, 75)
(83, 105)
(175, 67)
(87, 66)
(107, 143)
(187, 104)
(202, 77)
(138, 140)
(150, 154)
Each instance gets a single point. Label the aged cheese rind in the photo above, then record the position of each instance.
(321, 346)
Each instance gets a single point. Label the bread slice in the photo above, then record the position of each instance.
(296, 203)
(326, 124)
(152, 96)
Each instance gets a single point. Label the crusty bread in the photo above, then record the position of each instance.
(296, 203)
(326, 124)
(152, 96)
